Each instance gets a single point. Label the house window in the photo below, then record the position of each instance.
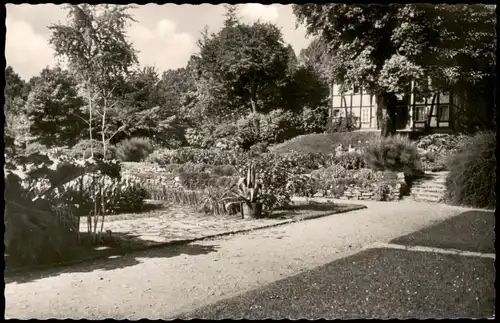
(336, 113)
(365, 115)
(444, 113)
(420, 113)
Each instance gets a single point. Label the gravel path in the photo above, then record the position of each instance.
(163, 283)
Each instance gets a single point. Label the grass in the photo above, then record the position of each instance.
(324, 143)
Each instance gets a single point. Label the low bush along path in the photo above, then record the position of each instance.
(165, 282)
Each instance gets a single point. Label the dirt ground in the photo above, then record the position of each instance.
(162, 283)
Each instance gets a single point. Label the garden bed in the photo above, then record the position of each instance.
(165, 227)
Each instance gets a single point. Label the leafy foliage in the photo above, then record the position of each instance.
(94, 44)
(55, 109)
(395, 153)
(134, 149)
(345, 123)
(41, 204)
(384, 47)
(435, 149)
(248, 61)
(84, 148)
(472, 176)
(350, 160)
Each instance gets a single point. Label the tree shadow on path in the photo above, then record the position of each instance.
(110, 259)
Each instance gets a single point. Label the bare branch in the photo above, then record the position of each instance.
(76, 115)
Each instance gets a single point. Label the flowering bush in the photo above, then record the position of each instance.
(440, 141)
(331, 178)
(436, 149)
(308, 160)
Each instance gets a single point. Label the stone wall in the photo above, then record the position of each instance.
(375, 192)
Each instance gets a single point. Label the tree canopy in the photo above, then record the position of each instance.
(244, 61)
(55, 109)
(385, 47)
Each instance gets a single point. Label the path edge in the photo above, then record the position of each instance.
(27, 269)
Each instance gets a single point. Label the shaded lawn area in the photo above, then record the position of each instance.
(324, 143)
(376, 283)
(469, 231)
(119, 243)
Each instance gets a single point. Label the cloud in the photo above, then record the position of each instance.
(162, 46)
(25, 50)
(250, 12)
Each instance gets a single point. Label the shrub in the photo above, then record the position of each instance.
(327, 179)
(248, 131)
(472, 176)
(309, 161)
(345, 124)
(440, 141)
(396, 153)
(278, 126)
(352, 160)
(433, 161)
(191, 167)
(304, 186)
(202, 180)
(223, 170)
(225, 137)
(277, 174)
(173, 168)
(197, 138)
(259, 148)
(128, 197)
(134, 149)
(313, 121)
(83, 150)
(184, 155)
(383, 191)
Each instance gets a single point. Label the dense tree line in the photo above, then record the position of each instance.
(247, 70)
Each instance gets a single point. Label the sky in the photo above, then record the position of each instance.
(165, 35)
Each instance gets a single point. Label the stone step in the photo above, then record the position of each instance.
(428, 190)
(431, 196)
(427, 200)
(426, 194)
(429, 186)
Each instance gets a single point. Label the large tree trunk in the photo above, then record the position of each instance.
(386, 113)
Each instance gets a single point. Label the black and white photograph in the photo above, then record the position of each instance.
(250, 161)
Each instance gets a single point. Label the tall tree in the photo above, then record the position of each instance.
(385, 47)
(55, 109)
(15, 95)
(245, 60)
(94, 43)
(14, 90)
